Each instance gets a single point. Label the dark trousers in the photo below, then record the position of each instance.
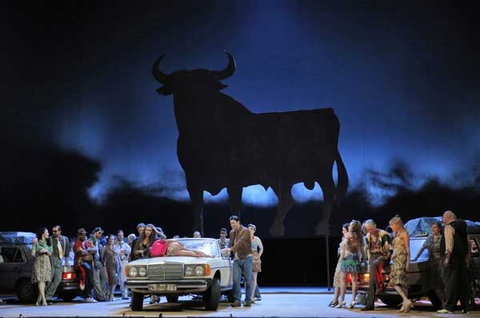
(375, 261)
(57, 271)
(456, 284)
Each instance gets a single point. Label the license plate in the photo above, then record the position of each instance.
(162, 287)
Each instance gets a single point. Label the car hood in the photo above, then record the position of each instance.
(171, 260)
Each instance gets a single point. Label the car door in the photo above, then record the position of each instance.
(10, 268)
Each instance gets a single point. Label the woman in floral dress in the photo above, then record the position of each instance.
(401, 262)
(42, 270)
(336, 278)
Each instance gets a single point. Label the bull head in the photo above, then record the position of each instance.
(200, 79)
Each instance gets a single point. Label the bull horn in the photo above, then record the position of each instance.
(157, 74)
(229, 70)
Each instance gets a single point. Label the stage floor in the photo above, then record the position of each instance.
(276, 302)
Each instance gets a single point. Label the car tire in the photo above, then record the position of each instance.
(137, 301)
(172, 298)
(212, 295)
(436, 302)
(26, 291)
(392, 302)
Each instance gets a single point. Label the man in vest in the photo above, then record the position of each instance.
(241, 249)
(61, 249)
(378, 253)
(455, 250)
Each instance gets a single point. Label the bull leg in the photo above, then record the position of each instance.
(285, 203)
(235, 199)
(196, 199)
(328, 188)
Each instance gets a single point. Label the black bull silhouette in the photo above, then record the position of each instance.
(223, 144)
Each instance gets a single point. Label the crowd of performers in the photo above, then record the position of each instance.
(362, 244)
(100, 261)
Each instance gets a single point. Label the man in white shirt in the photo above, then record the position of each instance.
(124, 252)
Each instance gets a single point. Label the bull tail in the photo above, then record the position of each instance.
(342, 184)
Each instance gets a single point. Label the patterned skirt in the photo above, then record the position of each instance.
(257, 262)
(42, 269)
(398, 273)
(337, 282)
(351, 264)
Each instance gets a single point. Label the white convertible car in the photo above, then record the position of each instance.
(174, 276)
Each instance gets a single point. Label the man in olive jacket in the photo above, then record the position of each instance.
(241, 251)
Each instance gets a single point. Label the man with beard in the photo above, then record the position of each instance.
(61, 249)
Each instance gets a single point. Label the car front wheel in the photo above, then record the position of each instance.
(212, 295)
(137, 301)
(26, 291)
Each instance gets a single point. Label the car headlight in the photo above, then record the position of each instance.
(132, 271)
(197, 270)
(142, 271)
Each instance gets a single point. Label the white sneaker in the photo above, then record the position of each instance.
(90, 300)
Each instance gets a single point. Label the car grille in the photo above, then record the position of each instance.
(165, 271)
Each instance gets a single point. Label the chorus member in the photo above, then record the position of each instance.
(378, 253)
(131, 238)
(455, 250)
(61, 251)
(111, 261)
(140, 229)
(84, 255)
(99, 274)
(257, 251)
(401, 262)
(336, 277)
(432, 244)
(351, 256)
(223, 241)
(124, 251)
(42, 269)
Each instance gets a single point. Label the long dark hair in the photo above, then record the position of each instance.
(151, 238)
(357, 231)
(40, 233)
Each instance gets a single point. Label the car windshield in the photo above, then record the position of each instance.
(415, 245)
(209, 247)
